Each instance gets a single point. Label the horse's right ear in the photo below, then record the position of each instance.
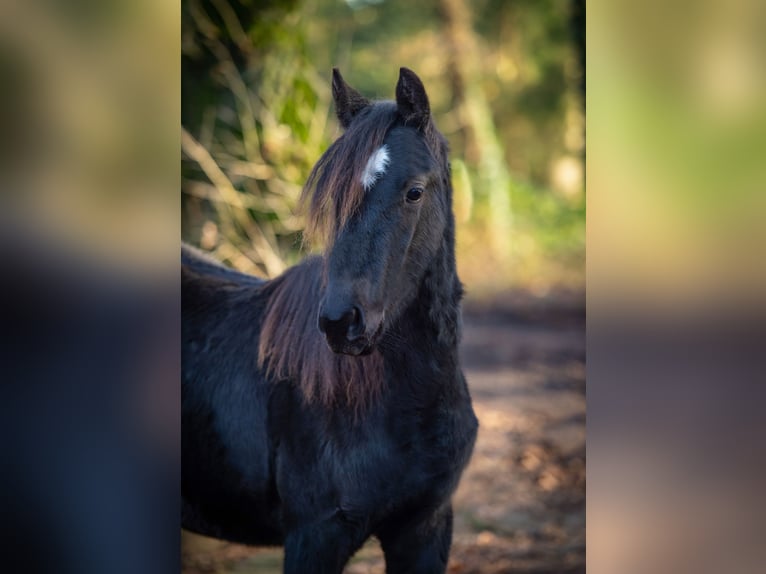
(348, 102)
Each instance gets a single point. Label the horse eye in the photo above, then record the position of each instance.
(414, 194)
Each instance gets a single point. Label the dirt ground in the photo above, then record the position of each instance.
(520, 507)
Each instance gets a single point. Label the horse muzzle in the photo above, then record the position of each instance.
(349, 330)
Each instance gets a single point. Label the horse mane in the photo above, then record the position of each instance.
(292, 347)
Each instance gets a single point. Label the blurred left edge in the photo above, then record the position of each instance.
(89, 293)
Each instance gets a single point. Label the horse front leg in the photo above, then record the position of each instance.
(420, 546)
(323, 548)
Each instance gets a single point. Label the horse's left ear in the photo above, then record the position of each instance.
(411, 99)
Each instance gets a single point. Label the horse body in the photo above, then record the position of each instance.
(373, 442)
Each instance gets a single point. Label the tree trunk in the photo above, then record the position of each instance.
(483, 150)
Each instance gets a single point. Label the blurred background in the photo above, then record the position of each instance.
(506, 85)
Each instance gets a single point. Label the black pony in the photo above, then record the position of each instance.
(328, 405)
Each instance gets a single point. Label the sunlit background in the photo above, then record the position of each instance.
(506, 85)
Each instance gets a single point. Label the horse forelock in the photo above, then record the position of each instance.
(336, 187)
(292, 348)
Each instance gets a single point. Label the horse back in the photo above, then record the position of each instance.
(200, 263)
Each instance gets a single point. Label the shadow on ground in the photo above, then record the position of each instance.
(520, 507)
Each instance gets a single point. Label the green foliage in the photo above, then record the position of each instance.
(257, 114)
(254, 118)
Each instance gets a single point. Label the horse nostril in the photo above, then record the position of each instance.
(325, 323)
(346, 326)
(355, 325)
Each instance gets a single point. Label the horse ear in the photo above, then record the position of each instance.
(411, 99)
(348, 102)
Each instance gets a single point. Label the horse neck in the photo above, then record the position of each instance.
(435, 313)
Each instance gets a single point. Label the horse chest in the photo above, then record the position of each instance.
(376, 470)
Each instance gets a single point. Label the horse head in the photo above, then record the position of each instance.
(382, 192)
